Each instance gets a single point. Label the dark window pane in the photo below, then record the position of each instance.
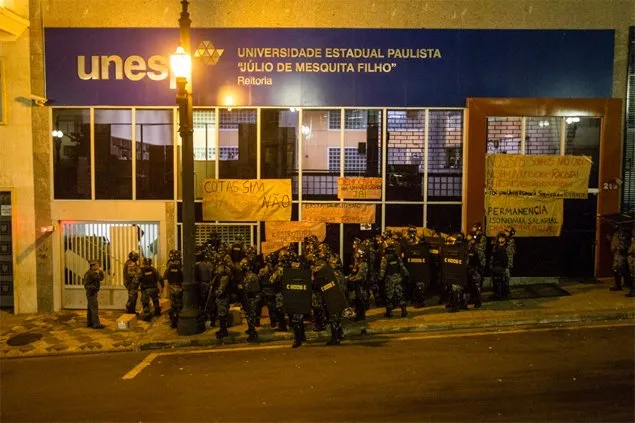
(445, 155)
(405, 155)
(583, 138)
(320, 155)
(155, 154)
(71, 153)
(404, 214)
(279, 139)
(113, 154)
(445, 218)
(237, 144)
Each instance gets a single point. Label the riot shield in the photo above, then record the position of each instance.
(454, 265)
(418, 262)
(296, 290)
(334, 299)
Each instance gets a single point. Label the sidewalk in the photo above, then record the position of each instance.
(64, 332)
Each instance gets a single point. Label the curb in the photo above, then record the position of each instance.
(355, 331)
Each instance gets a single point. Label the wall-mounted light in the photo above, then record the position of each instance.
(57, 133)
(306, 130)
(571, 120)
(543, 123)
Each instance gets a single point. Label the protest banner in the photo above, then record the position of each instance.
(247, 199)
(359, 188)
(294, 231)
(338, 212)
(530, 216)
(538, 175)
(267, 248)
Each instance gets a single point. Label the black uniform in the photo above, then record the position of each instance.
(92, 284)
(174, 276)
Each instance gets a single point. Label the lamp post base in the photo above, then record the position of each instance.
(189, 322)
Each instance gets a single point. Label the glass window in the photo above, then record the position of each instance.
(404, 214)
(71, 154)
(542, 135)
(405, 155)
(237, 144)
(155, 154)
(445, 155)
(354, 119)
(583, 138)
(503, 134)
(319, 182)
(279, 140)
(204, 149)
(113, 154)
(445, 218)
(362, 144)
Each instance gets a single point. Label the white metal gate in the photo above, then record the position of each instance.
(108, 243)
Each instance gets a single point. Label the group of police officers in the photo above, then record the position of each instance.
(391, 270)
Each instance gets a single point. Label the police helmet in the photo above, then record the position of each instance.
(323, 251)
(284, 256)
(501, 238)
(133, 255)
(147, 261)
(510, 231)
(171, 254)
(477, 228)
(245, 265)
(176, 255)
(389, 246)
(412, 231)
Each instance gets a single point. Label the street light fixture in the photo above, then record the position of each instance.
(181, 63)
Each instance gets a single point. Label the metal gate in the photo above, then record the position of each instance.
(109, 244)
(227, 232)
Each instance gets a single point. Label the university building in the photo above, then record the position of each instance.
(415, 93)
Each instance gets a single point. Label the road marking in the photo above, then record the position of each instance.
(152, 356)
(510, 331)
(139, 367)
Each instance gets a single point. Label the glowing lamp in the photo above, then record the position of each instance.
(181, 63)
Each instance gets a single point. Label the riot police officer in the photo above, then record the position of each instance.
(150, 282)
(268, 290)
(204, 274)
(417, 258)
(475, 269)
(284, 260)
(250, 288)
(631, 264)
(620, 244)
(454, 271)
(327, 285)
(296, 291)
(358, 284)
(500, 267)
(92, 284)
(223, 287)
(392, 273)
(174, 275)
(131, 270)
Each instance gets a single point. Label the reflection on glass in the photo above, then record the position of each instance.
(71, 153)
(279, 138)
(113, 154)
(405, 155)
(204, 148)
(155, 154)
(542, 135)
(237, 143)
(445, 155)
(503, 134)
(362, 143)
(320, 133)
(583, 138)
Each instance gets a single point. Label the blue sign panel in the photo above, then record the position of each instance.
(327, 67)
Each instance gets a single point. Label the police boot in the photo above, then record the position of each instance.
(360, 314)
(157, 311)
(388, 312)
(223, 329)
(404, 311)
(253, 335)
(303, 332)
(257, 322)
(618, 284)
(335, 335)
(297, 336)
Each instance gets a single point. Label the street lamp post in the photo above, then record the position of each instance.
(181, 63)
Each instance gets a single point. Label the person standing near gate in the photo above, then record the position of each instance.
(620, 243)
(131, 271)
(393, 272)
(500, 268)
(174, 275)
(150, 283)
(296, 292)
(92, 284)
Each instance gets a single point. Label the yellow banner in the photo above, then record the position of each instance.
(247, 199)
(267, 248)
(294, 231)
(339, 213)
(529, 216)
(538, 175)
(359, 188)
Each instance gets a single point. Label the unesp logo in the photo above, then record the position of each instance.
(208, 53)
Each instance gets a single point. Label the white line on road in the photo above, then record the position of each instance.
(148, 360)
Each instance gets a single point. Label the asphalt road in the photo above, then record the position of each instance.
(584, 374)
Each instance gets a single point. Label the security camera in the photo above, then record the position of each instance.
(40, 101)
